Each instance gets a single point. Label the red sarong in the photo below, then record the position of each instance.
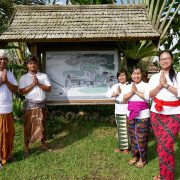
(165, 128)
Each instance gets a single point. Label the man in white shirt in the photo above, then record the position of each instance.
(8, 85)
(34, 86)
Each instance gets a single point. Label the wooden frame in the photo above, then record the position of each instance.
(81, 77)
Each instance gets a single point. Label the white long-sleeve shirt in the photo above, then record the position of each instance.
(164, 94)
(120, 107)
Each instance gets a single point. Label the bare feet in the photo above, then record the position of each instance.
(125, 151)
(26, 151)
(3, 162)
(157, 177)
(44, 146)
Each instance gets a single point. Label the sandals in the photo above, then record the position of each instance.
(140, 164)
(45, 147)
(132, 161)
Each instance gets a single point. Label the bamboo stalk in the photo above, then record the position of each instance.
(165, 18)
(169, 23)
(160, 14)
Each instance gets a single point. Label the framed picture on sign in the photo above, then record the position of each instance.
(81, 77)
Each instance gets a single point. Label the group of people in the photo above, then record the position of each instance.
(33, 86)
(140, 105)
(132, 113)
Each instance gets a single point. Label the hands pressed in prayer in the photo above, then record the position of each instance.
(134, 88)
(35, 80)
(162, 80)
(4, 78)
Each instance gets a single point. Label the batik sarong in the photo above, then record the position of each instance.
(7, 133)
(165, 128)
(121, 121)
(138, 133)
(35, 117)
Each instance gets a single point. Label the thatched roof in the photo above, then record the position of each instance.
(79, 23)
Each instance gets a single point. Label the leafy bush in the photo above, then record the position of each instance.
(17, 107)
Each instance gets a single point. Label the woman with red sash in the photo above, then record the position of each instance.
(164, 87)
(138, 117)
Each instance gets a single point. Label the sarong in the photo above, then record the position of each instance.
(7, 133)
(138, 133)
(123, 139)
(165, 128)
(35, 116)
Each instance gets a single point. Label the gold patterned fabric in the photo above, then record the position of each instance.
(7, 132)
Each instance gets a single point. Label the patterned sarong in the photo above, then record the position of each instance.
(121, 121)
(138, 133)
(165, 128)
(35, 116)
(7, 133)
(30, 104)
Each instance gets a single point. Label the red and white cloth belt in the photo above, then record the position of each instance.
(160, 103)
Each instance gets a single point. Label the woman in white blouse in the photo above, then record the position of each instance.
(138, 117)
(120, 111)
(164, 88)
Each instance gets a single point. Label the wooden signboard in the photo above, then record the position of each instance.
(81, 77)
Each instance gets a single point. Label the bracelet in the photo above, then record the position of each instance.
(167, 86)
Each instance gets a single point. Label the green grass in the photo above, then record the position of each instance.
(81, 150)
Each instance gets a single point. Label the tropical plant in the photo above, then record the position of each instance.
(6, 10)
(134, 52)
(17, 107)
(164, 17)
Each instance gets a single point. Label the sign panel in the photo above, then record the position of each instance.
(81, 77)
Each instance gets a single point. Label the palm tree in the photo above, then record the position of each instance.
(164, 17)
(134, 52)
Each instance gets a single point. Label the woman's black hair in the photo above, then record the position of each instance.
(172, 73)
(120, 72)
(135, 67)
